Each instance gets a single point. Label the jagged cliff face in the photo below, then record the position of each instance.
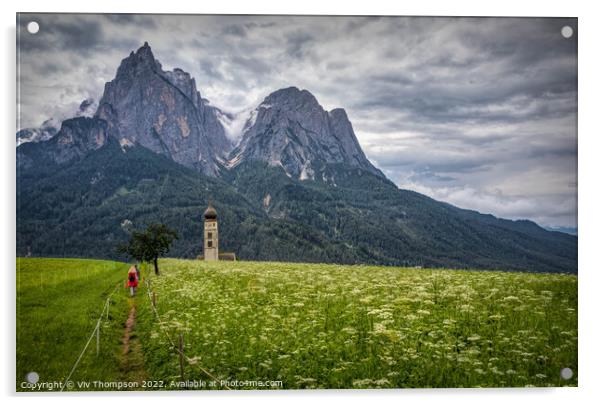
(164, 112)
(46, 131)
(76, 138)
(291, 129)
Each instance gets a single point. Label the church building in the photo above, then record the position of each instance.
(210, 250)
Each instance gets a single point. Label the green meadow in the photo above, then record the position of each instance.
(306, 325)
(58, 304)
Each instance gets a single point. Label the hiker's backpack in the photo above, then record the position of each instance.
(132, 277)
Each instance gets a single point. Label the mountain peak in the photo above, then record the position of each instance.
(339, 113)
(290, 129)
(141, 60)
(145, 51)
(292, 97)
(291, 91)
(162, 111)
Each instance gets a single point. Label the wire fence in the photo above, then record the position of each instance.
(95, 332)
(179, 347)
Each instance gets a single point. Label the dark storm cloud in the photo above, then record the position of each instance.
(429, 176)
(235, 30)
(355, 24)
(436, 164)
(478, 112)
(211, 70)
(73, 34)
(145, 20)
(255, 66)
(78, 35)
(297, 43)
(121, 18)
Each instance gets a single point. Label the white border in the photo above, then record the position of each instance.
(590, 280)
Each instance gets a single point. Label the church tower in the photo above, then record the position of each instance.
(210, 250)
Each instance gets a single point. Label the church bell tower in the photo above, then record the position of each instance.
(210, 250)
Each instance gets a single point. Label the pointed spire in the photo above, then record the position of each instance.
(141, 58)
(145, 52)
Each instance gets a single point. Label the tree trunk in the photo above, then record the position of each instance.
(156, 266)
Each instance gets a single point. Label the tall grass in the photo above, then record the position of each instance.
(307, 325)
(330, 326)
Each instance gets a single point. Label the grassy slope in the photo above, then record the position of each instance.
(316, 325)
(58, 304)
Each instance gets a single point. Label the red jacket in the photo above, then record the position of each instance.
(132, 278)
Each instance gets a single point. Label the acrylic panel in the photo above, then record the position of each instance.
(228, 202)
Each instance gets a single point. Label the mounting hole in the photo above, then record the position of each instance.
(32, 377)
(33, 27)
(566, 31)
(566, 373)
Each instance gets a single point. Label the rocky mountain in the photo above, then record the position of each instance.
(290, 129)
(164, 112)
(297, 186)
(47, 130)
(76, 138)
(87, 108)
(51, 126)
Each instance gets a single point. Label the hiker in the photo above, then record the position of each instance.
(132, 280)
(137, 271)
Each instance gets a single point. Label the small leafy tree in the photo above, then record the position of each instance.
(150, 244)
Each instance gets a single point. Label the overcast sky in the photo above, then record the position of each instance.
(478, 112)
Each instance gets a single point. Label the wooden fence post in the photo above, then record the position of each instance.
(98, 337)
(181, 352)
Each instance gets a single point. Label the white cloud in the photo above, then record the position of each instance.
(234, 123)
